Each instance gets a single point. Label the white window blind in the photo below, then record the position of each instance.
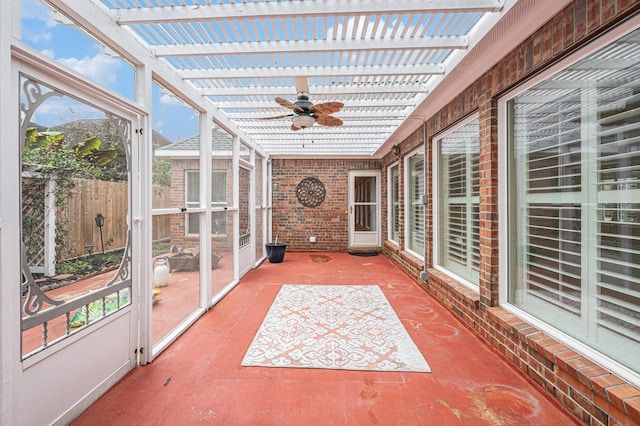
(415, 214)
(458, 229)
(394, 204)
(575, 200)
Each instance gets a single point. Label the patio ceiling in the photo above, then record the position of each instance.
(381, 59)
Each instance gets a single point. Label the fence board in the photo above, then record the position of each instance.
(91, 197)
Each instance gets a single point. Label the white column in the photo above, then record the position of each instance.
(10, 274)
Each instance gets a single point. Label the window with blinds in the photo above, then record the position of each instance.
(394, 204)
(574, 200)
(218, 199)
(414, 205)
(458, 221)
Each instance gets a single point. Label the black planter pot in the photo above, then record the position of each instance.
(275, 251)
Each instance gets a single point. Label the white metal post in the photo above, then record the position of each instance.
(143, 220)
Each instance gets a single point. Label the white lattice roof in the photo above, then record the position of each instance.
(381, 59)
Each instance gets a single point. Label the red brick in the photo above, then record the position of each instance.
(574, 365)
(573, 406)
(617, 394)
(573, 381)
(539, 341)
(588, 406)
(600, 384)
(632, 406)
(587, 374)
(610, 409)
(551, 350)
(561, 358)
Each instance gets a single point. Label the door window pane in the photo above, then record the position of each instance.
(75, 197)
(365, 194)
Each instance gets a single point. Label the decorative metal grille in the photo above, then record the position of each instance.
(311, 192)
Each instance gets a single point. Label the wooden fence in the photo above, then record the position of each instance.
(91, 197)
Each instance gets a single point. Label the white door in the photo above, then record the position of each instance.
(364, 209)
(78, 336)
(246, 239)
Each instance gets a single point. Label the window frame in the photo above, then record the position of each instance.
(196, 204)
(504, 174)
(391, 222)
(438, 263)
(409, 202)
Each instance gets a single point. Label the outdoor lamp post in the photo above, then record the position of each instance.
(100, 224)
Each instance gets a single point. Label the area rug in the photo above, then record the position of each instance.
(343, 327)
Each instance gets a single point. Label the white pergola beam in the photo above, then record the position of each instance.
(323, 133)
(266, 125)
(368, 103)
(93, 16)
(380, 89)
(360, 140)
(344, 114)
(342, 71)
(248, 11)
(311, 46)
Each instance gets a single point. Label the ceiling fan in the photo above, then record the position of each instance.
(305, 113)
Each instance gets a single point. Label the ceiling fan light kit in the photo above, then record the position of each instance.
(305, 114)
(303, 121)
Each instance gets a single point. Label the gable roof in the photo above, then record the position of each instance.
(221, 142)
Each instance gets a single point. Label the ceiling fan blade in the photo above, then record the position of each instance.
(328, 120)
(302, 84)
(327, 107)
(278, 117)
(294, 128)
(288, 104)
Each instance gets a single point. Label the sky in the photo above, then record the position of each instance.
(74, 49)
(49, 34)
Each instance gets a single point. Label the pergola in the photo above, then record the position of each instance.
(385, 61)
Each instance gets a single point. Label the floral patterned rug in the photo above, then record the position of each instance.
(344, 327)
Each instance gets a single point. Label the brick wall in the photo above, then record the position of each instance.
(593, 394)
(294, 223)
(177, 200)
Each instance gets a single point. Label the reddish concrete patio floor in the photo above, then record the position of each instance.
(199, 378)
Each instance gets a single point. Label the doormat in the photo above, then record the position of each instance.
(340, 327)
(363, 253)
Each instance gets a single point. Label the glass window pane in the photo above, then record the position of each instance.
(459, 201)
(394, 203)
(415, 207)
(365, 189)
(62, 41)
(192, 189)
(176, 174)
(575, 182)
(219, 188)
(365, 218)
